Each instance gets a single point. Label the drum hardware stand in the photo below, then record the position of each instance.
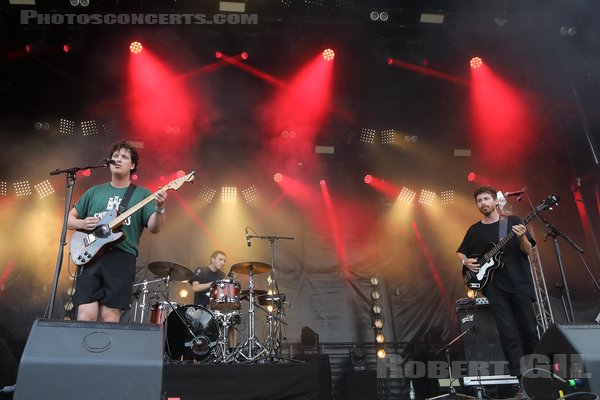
(252, 340)
(451, 391)
(144, 291)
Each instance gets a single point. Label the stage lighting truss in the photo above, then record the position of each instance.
(229, 194)
(66, 127)
(89, 128)
(347, 134)
(111, 128)
(427, 197)
(3, 189)
(367, 135)
(207, 193)
(250, 194)
(22, 188)
(44, 189)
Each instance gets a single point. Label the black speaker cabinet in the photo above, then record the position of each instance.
(481, 342)
(66, 360)
(571, 351)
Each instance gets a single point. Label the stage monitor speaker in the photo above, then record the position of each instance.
(482, 342)
(91, 360)
(572, 352)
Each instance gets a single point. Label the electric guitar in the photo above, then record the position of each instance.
(87, 245)
(491, 260)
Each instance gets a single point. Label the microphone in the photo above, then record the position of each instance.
(109, 161)
(517, 193)
(248, 238)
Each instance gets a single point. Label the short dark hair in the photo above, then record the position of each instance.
(135, 157)
(486, 189)
(216, 253)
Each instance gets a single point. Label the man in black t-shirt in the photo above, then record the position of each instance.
(510, 291)
(203, 277)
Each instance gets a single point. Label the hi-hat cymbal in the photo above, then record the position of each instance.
(255, 267)
(176, 271)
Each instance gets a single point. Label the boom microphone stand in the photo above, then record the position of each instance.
(71, 175)
(565, 295)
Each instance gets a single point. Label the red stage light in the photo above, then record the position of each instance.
(471, 176)
(134, 177)
(218, 55)
(322, 182)
(87, 172)
(135, 47)
(328, 54)
(278, 177)
(368, 179)
(476, 62)
(180, 174)
(28, 48)
(66, 48)
(390, 61)
(244, 55)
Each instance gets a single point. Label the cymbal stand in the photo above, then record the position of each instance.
(144, 292)
(252, 342)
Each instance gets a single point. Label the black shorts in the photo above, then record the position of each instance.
(107, 280)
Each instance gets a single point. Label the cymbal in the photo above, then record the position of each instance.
(166, 268)
(255, 267)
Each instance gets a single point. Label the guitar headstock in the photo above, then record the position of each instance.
(548, 203)
(176, 183)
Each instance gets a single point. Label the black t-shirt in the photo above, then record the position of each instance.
(204, 275)
(515, 276)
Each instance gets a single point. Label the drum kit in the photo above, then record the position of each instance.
(199, 334)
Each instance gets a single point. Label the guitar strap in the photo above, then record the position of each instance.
(125, 202)
(503, 227)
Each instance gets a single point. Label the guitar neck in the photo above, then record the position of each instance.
(115, 223)
(509, 236)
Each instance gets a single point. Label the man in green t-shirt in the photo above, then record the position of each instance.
(104, 285)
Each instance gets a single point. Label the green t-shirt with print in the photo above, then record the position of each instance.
(99, 199)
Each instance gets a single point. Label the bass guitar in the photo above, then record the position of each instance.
(491, 260)
(87, 245)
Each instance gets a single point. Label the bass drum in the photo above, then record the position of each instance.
(180, 343)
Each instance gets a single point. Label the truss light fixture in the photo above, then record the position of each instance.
(44, 189)
(229, 194)
(447, 197)
(406, 195)
(427, 197)
(367, 135)
(3, 188)
(66, 127)
(89, 128)
(207, 193)
(250, 194)
(22, 188)
(388, 136)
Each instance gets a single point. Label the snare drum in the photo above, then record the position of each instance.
(160, 311)
(225, 295)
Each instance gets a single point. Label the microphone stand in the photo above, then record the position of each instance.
(71, 175)
(565, 295)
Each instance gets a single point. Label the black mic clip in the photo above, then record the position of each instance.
(109, 161)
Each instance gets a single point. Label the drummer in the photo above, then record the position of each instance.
(203, 277)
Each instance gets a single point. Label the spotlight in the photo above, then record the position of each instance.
(368, 179)
(66, 48)
(426, 198)
(244, 55)
(381, 353)
(3, 188)
(44, 189)
(375, 294)
(406, 195)
(218, 55)
(84, 3)
(383, 16)
(229, 194)
(471, 293)
(134, 177)
(66, 127)
(22, 188)
(376, 309)
(471, 176)
(183, 293)
(89, 128)
(380, 338)
(135, 47)
(387, 136)
(180, 173)
(278, 177)
(476, 62)
(447, 197)
(367, 135)
(250, 194)
(390, 61)
(374, 15)
(28, 48)
(378, 323)
(207, 193)
(322, 182)
(374, 281)
(87, 172)
(328, 54)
